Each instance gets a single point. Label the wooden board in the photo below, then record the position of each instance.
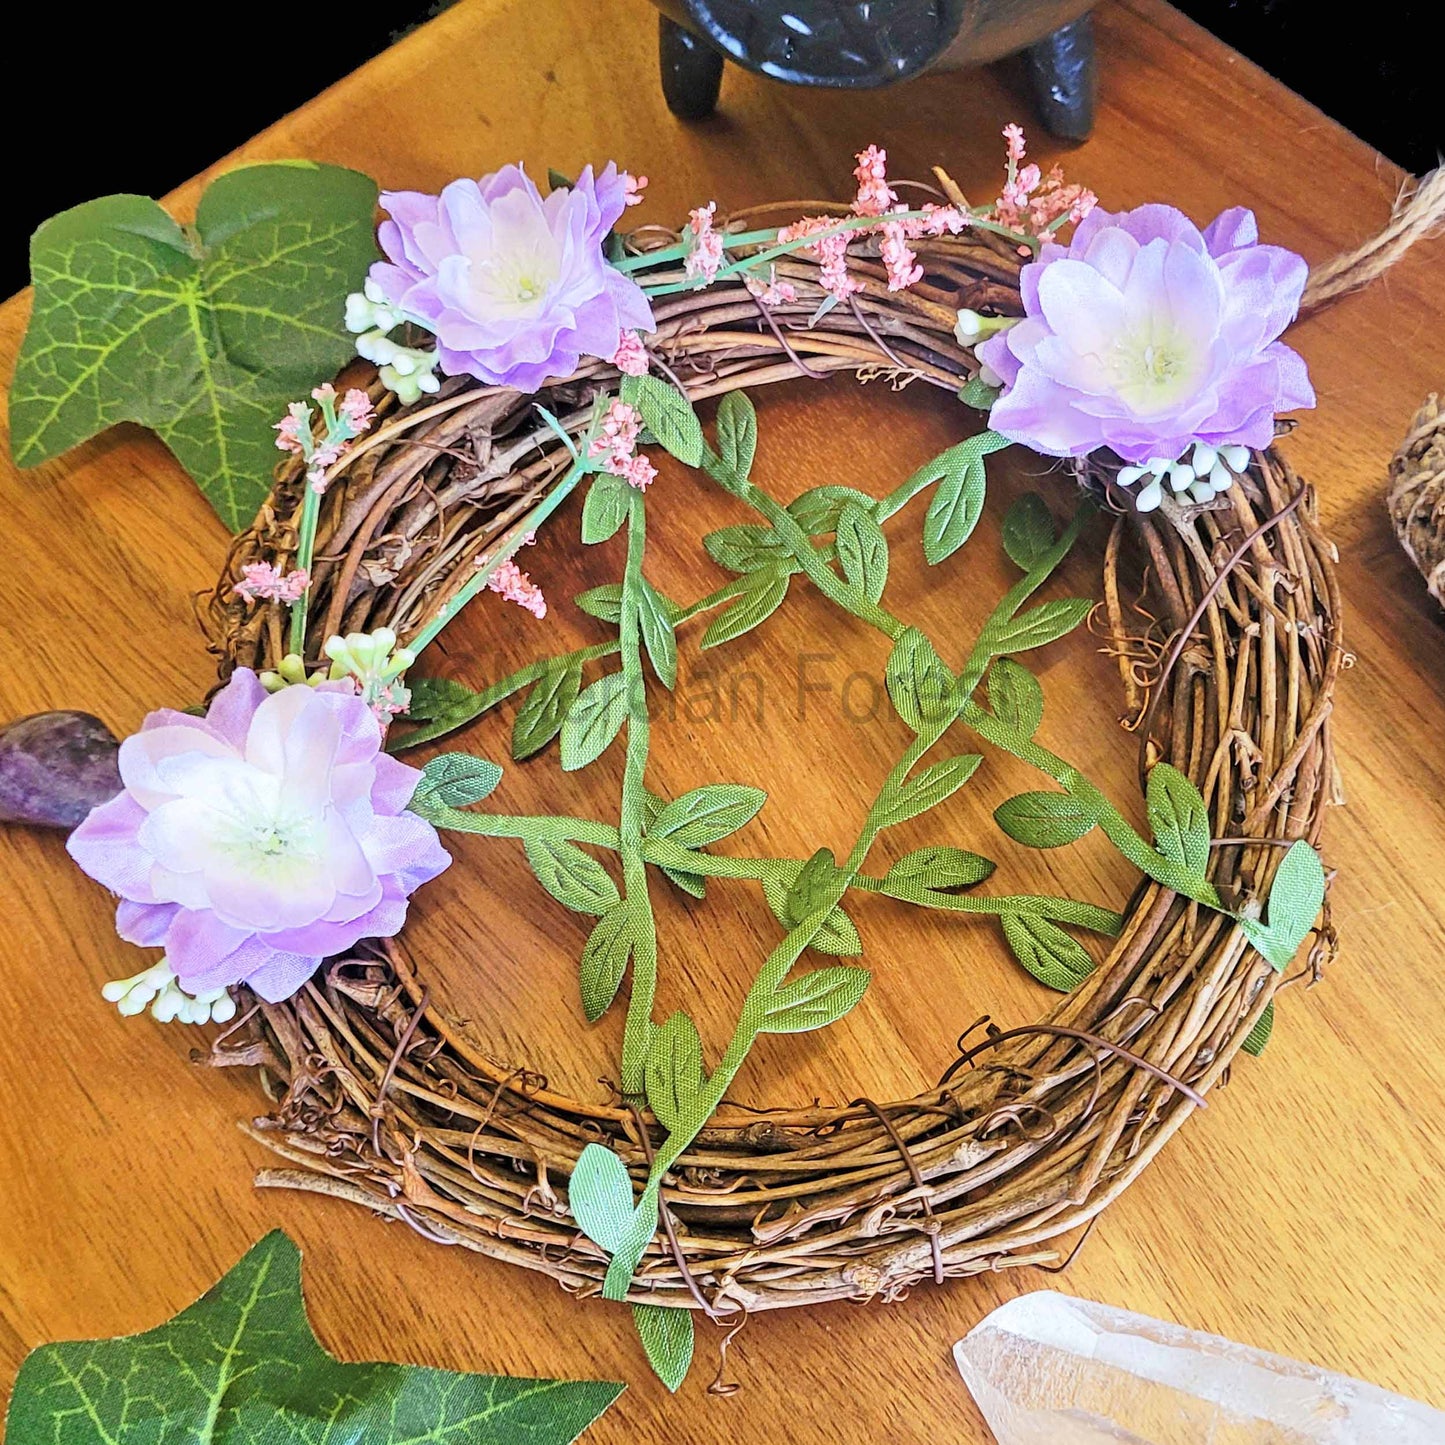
(1302, 1213)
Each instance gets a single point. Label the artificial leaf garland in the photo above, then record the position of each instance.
(203, 333)
(241, 1366)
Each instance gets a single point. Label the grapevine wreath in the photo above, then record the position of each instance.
(518, 346)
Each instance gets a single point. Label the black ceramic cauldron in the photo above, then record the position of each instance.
(866, 43)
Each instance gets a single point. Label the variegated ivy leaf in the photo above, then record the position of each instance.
(764, 595)
(1015, 697)
(203, 333)
(1044, 820)
(1028, 531)
(241, 1366)
(593, 720)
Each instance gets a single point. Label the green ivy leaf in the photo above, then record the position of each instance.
(455, 780)
(928, 788)
(603, 602)
(600, 1196)
(666, 1335)
(572, 877)
(814, 1000)
(958, 503)
(919, 684)
(669, 416)
(203, 334)
(604, 960)
(938, 869)
(1295, 899)
(1028, 531)
(691, 883)
(593, 720)
(1046, 951)
(241, 1366)
(1179, 818)
(654, 618)
(746, 548)
(707, 814)
(605, 510)
(817, 511)
(674, 1072)
(1259, 1036)
(541, 716)
(812, 885)
(862, 551)
(1040, 625)
(1044, 820)
(764, 596)
(1015, 697)
(737, 433)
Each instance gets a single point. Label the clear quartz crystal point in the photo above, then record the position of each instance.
(1050, 1370)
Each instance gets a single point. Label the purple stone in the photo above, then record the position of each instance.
(55, 767)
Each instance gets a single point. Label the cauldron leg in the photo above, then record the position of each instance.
(691, 71)
(1065, 79)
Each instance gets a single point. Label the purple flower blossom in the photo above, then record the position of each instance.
(1145, 336)
(514, 285)
(254, 842)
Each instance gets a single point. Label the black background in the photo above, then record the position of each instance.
(130, 98)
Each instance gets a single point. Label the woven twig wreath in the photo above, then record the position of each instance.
(378, 1099)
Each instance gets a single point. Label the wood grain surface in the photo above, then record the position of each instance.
(1301, 1213)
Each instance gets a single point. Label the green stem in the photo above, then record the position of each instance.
(513, 540)
(637, 1033)
(772, 974)
(305, 550)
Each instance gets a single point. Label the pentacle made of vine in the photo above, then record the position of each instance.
(665, 1195)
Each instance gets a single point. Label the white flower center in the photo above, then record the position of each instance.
(261, 834)
(514, 276)
(1155, 368)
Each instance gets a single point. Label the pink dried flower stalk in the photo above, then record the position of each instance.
(898, 257)
(344, 419)
(706, 256)
(263, 582)
(1034, 203)
(875, 196)
(773, 292)
(516, 586)
(630, 357)
(831, 252)
(632, 188)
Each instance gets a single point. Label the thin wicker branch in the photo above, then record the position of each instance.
(1229, 655)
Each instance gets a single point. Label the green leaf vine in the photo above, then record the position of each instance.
(834, 537)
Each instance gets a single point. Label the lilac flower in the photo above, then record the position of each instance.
(1145, 336)
(514, 286)
(254, 842)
